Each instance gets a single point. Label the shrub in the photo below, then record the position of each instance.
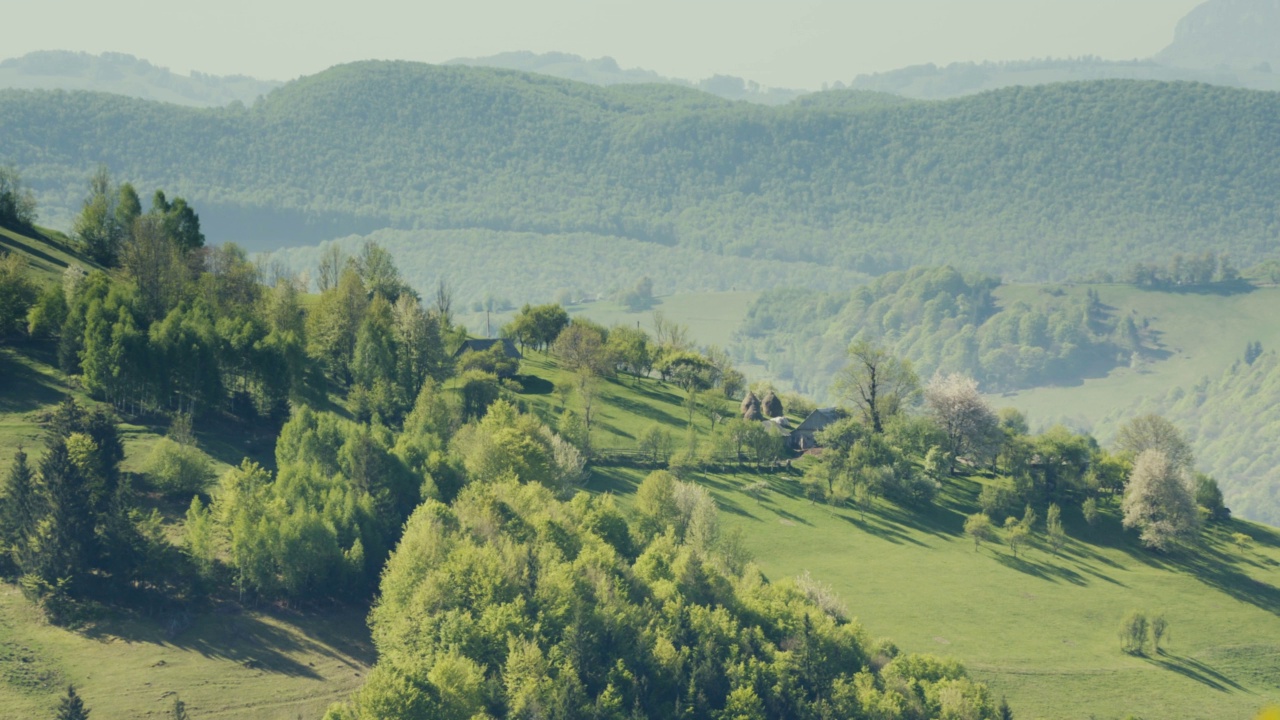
(178, 469)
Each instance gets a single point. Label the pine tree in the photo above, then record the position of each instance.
(19, 509)
(66, 527)
(179, 709)
(72, 707)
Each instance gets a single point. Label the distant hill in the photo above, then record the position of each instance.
(1228, 34)
(1027, 183)
(1221, 42)
(126, 75)
(933, 82)
(605, 71)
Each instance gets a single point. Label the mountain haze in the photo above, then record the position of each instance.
(126, 75)
(1030, 183)
(1221, 42)
(1233, 34)
(605, 71)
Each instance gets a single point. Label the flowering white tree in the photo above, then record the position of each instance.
(1159, 501)
(971, 426)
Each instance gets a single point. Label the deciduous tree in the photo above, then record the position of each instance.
(1159, 501)
(971, 426)
(877, 383)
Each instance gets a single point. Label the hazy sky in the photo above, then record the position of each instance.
(798, 43)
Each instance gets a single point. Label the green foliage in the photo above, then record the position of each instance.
(179, 469)
(1133, 633)
(17, 293)
(509, 601)
(978, 528)
(1016, 534)
(1227, 419)
(49, 312)
(1054, 532)
(96, 227)
(944, 322)
(71, 707)
(17, 203)
(1090, 510)
(1159, 631)
(1056, 180)
(877, 382)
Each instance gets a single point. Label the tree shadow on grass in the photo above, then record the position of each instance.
(634, 407)
(1195, 670)
(534, 385)
(246, 639)
(26, 389)
(1218, 571)
(1044, 571)
(614, 429)
(611, 480)
(884, 531)
(652, 390)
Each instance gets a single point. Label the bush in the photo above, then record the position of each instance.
(1133, 633)
(178, 469)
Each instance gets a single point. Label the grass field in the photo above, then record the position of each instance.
(1199, 334)
(223, 664)
(47, 256)
(226, 662)
(1040, 629)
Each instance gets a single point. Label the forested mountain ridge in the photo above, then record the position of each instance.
(126, 75)
(1029, 183)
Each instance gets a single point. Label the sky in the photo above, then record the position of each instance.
(796, 43)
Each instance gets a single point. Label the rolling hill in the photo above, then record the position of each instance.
(1029, 183)
(123, 74)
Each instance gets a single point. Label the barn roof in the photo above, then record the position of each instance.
(480, 345)
(819, 419)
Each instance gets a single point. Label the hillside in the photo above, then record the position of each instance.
(1028, 183)
(1234, 34)
(605, 71)
(941, 82)
(122, 74)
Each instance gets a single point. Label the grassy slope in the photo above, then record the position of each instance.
(229, 663)
(223, 665)
(1202, 334)
(47, 256)
(1040, 629)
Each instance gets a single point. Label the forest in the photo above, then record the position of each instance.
(1027, 183)
(943, 322)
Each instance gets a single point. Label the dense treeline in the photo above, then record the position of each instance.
(511, 604)
(1231, 422)
(943, 322)
(1031, 183)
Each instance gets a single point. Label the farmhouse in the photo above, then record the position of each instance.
(804, 437)
(508, 347)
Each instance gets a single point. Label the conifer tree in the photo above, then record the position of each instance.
(66, 526)
(18, 511)
(72, 707)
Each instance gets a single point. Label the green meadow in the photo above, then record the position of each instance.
(1041, 628)
(1198, 335)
